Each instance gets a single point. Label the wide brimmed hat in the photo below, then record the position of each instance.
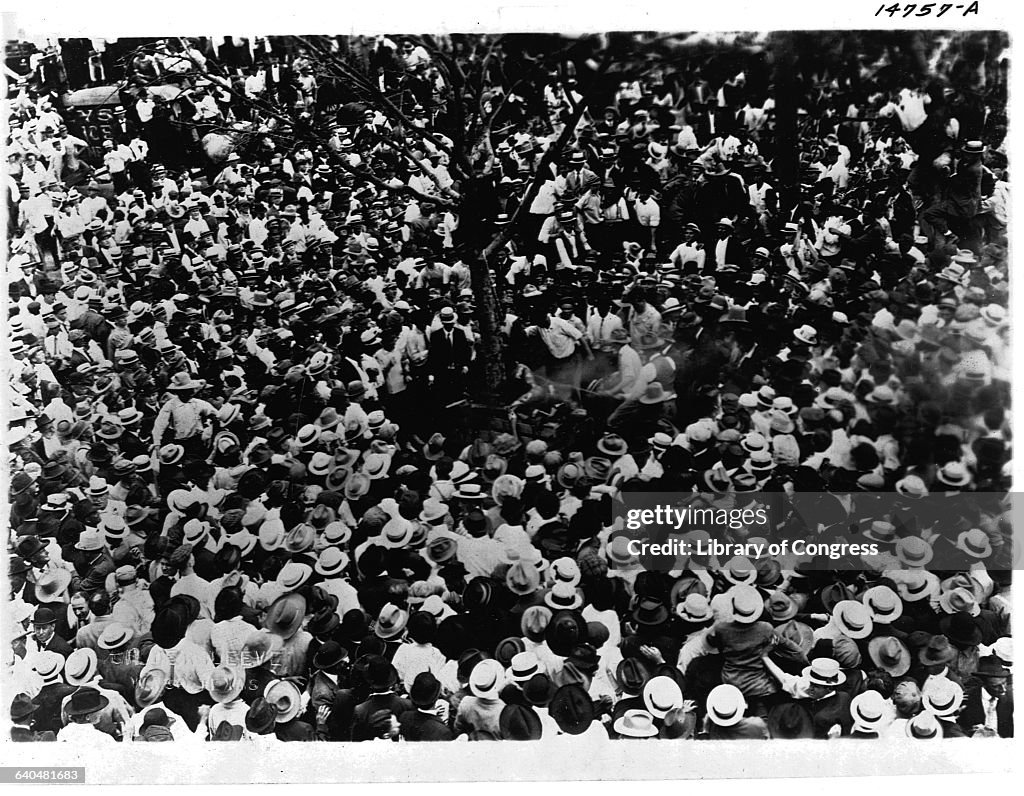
(523, 666)
(852, 618)
(924, 727)
(572, 709)
(890, 654)
(487, 679)
(115, 636)
(915, 585)
(293, 575)
(524, 578)
(739, 571)
(636, 724)
(655, 393)
(961, 629)
(959, 599)
(799, 633)
(258, 647)
(790, 721)
(391, 622)
(780, 606)
(870, 711)
(884, 604)
(183, 381)
(825, 672)
(225, 684)
(726, 705)
(612, 445)
(650, 612)
(85, 701)
(942, 697)
(937, 651)
(662, 695)
(22, 707)
(914, 552)
(81, 666)
(881, 531)
(746, 604)
(974, 543)
(331, 562)
(563, 596)
(52, 586)
(286, 699)
(695, 609)
(912, 486)
(285, 615)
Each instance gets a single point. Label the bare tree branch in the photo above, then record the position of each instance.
(391, 109)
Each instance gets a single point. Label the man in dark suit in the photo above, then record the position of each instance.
(44, 631)
(721, 195)
(988, 699)
(450, 353)
(381, 678)
(710, 121)
(23, 721)
(423, 723)
(727, 248)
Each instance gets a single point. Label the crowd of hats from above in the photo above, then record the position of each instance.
(256, 496)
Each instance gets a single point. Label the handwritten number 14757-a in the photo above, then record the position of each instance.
(926, 9)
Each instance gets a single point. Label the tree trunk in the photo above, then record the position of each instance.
(472, 236)
(786, 163)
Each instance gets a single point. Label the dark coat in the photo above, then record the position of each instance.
(47, 717)
(415, 725)
(445, 357)
(973, 712)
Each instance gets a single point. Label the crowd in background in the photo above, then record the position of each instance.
(253, 495)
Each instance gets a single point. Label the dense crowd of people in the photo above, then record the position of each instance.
(254, 497)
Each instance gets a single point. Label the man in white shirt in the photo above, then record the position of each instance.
(144, 107)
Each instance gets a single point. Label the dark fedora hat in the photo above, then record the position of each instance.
(565, 630)
(261, 718)
(285, 615)
(86, 701)
(961, 629)
(650, 612)
(519, 723)
(425, 690)
(329, 656)
(572, 708)
(991, 666)
(380, 674)
(539, 690)
(323, 622)
(632, 674)
(790, 721)
(22, 707)
(169, 626)
(937, 651)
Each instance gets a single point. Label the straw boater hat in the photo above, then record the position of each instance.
(870, 711)
(726, 705)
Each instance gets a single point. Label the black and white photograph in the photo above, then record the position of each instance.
(371, 387)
